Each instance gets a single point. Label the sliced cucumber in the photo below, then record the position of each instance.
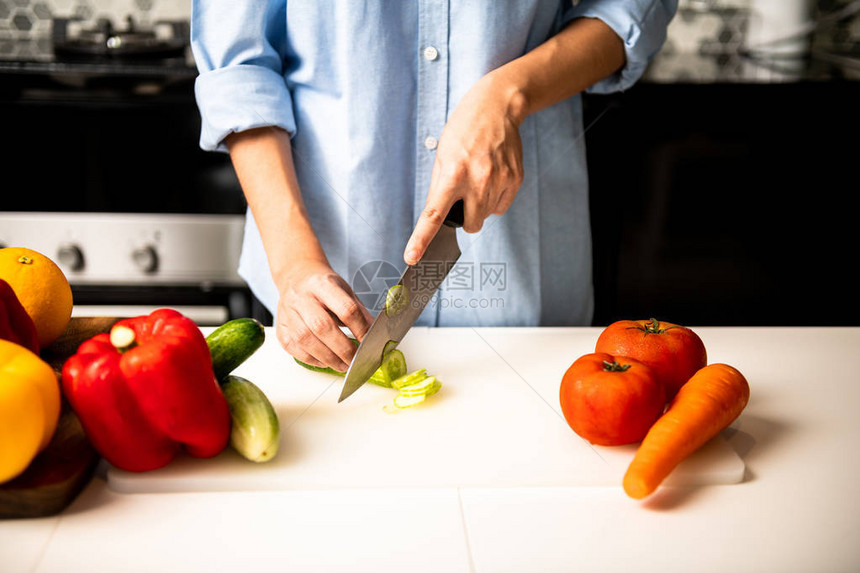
(408, 401)
(409, 379)
(389, 346)
(412, 387)
(233, 343)
(393, 367)
(256, 432)
(396, 300)
(426, 387)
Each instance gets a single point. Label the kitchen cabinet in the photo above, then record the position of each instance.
(725, 203)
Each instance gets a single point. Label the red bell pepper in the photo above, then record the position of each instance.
(15, 324)
(146, 390)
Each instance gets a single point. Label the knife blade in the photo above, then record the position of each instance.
(405, 303)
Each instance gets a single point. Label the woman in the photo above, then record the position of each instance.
(354, 126)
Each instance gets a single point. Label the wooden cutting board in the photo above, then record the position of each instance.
(58, 474)
(495, 423)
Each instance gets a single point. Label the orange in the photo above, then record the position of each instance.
(41, 287)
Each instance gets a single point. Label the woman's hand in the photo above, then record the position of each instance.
(479, 159)
(314, 302)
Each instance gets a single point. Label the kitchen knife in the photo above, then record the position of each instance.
(405, 302)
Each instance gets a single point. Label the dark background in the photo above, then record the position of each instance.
(726, 204)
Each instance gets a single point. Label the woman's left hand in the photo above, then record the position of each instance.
(479, 159)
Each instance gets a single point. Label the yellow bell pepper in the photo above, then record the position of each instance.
(29, 408)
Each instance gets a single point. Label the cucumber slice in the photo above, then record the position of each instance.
(393, 367)
(409, 379)
(426, 387)
(396, 300)
(408, 401)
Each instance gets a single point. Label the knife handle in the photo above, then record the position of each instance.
(455, 216)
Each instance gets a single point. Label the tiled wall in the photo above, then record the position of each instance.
(702, 44)
(21, 18)
(24, 24)
(706, 37)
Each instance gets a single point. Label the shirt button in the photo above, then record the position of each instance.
(430, 53)
(430, 143)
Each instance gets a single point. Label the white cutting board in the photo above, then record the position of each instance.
(495, 423)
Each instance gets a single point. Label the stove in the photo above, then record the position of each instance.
(103, 173)
(126, 264)
(132, 249)
(78, 53)
(165, 39)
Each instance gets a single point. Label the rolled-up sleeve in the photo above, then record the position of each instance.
(641, 24)
(239, 49)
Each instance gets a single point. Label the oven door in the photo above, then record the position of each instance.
(127, 264)
(105, 176)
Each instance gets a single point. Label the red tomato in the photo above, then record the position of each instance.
(674, 352)
(609, 400)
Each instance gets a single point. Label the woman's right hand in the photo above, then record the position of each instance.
(314, 302)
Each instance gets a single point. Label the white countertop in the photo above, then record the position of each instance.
(798, 508)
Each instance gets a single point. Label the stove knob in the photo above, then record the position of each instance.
(146, 259)
(72, 257)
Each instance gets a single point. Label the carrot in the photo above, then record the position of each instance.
(711, 400)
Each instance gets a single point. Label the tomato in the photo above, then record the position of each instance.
(610, 400)
(674, 352)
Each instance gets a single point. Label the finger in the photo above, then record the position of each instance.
(339, 299)
(367, 316)
(303, 356)
(495, 198)
(474, 213)
(283, 333)
(506, 199)
(428, 225)
(331, 341)
(310, 320)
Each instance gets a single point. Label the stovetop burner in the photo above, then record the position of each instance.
(101, 57)
(164, 39)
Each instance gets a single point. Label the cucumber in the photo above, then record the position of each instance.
(233, 343)
(256, 433)
(324, 369)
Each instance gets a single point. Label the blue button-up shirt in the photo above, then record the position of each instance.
(365, 88)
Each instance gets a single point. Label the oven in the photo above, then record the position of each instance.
(102, 171)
